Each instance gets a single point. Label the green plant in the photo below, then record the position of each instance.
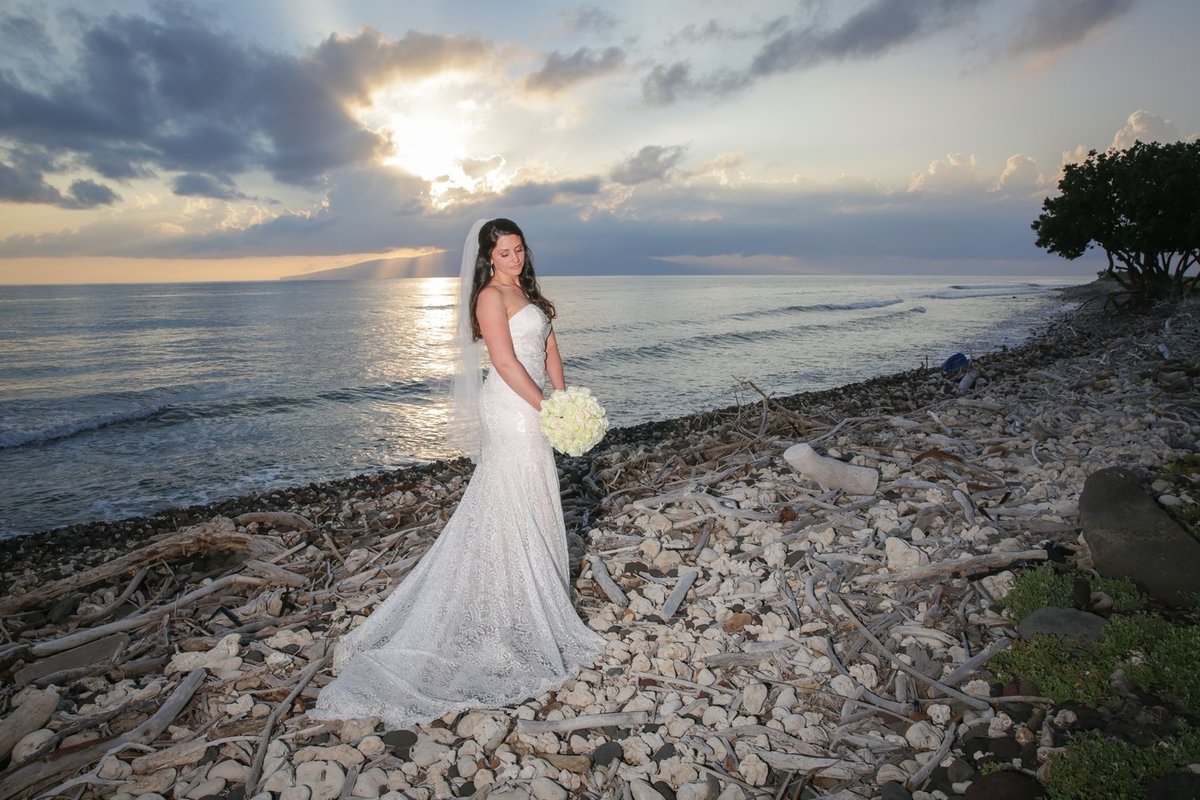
(1094, 767)
(1043, 586)
(1035, 589)
(1061, 670)
(1157, 657)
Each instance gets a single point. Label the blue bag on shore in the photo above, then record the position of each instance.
(955, 362)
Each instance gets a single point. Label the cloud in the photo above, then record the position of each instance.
(89, 194)
(956, 173)
(561, 72)
(651, 163)
(147, 95)
(717, 31)
(882, 26)
(476, 168)
(667, 83)
(1020, 175)
(1142, 126)
(533, 193)
(591, 18)
(24, 181)
(194, 184)
(1056, 24)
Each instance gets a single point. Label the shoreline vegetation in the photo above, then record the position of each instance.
(768, 637)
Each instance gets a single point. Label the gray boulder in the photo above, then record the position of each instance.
(1130, 536)
(1065, 623)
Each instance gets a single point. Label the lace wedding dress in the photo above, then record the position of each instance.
(485, 618)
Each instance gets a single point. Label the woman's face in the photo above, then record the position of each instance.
(508, 256)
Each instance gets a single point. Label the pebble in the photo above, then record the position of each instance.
(735, 609)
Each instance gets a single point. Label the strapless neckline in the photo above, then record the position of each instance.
(519, 310)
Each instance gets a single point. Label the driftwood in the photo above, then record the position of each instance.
(678, 594)
(186, 543)
(302, 680)
(41, 773)
(770, 576)
(605, 582)
(86, 635)
(626, 719)
(28, 717)
(948, 691)
(280, 520)
(959, 566)
(831, 473)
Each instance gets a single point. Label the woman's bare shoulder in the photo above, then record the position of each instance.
(490, 296)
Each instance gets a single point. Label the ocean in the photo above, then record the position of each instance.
(123, 400)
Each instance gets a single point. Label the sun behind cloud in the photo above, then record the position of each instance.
(429, 126)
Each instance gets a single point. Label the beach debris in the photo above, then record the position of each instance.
(830, 473)
(768, 631)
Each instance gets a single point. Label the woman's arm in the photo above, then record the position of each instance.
(493, 322)
(554, 367)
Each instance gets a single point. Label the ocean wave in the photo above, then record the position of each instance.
(707, 322)
(169, 414)
(803, 309)
(65, 430)
(698, 345)
(966, 292)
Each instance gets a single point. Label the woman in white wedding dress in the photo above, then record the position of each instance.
(485, 619)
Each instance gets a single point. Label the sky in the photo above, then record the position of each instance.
(232, 140)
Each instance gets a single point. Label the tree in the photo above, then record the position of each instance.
(1141, 206)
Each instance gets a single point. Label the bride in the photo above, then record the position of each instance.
(485, 619)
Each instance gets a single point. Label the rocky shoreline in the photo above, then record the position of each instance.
(768, 637)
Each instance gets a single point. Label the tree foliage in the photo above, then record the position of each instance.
(1141, 206)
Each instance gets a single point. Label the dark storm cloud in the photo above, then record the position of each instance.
(524, 195)
(194, 184)
(1055, 23)
(23, 181)
(172, 94)
(878, 28)
(563, 71)
(651, 163)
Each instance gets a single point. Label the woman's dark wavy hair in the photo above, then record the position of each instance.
(489, 234)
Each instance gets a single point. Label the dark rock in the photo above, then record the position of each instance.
(1065, 623)
(894, 791)
(664, 788)
(466, 790)
(1004, 748)
(939, 780)
(606, 753)
(1081, 594)
(960, 770)
(1019, 712)
(663, 753)
(400, 742)
(1131, 536)
(63, 608)
(1180, 786)
(1086, 717)
(1004, 786)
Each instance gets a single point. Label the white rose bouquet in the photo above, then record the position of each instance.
(573, 420)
